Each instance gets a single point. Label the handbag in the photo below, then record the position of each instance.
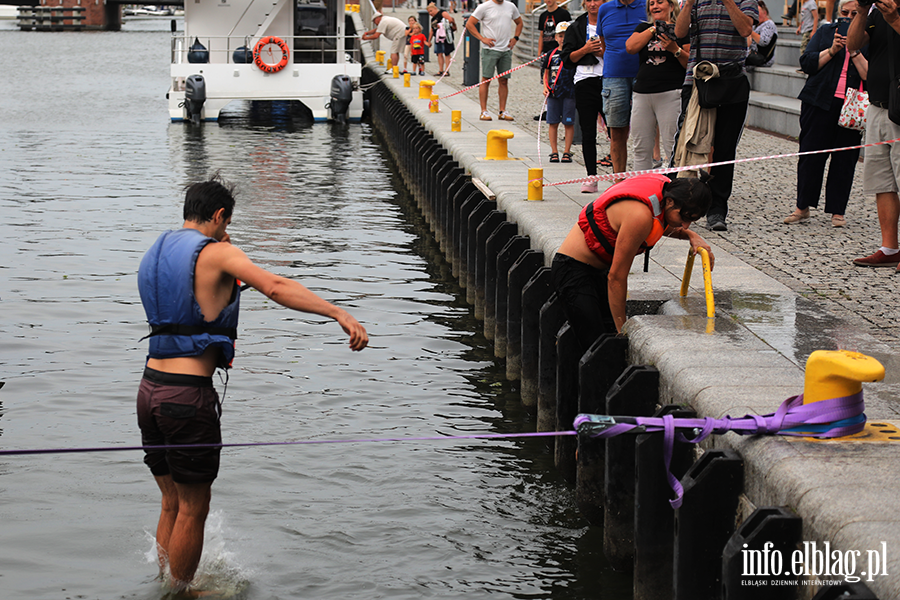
(853, 113)
(717, 86)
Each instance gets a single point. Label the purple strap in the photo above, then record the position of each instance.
(790, 419)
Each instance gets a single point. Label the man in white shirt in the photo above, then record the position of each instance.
(391, 28)
(497, 41)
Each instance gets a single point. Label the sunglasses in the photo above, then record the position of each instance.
(847, 13)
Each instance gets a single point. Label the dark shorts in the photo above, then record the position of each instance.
(418, 59)
(584, 293)
(174, 410)
(443, 48)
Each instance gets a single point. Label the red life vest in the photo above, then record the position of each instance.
(599, 234)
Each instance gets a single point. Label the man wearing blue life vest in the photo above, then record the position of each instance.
(189, 286)
(590, 269)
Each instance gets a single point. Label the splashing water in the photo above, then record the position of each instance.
(219, 574)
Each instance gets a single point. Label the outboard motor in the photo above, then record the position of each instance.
(341, 96)
(194, 97)
(198, 53)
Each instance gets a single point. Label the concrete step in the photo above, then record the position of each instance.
(778, 79)
(775, 113)
(787, 53)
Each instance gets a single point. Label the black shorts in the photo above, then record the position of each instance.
(584, 293)
(179, 409)
(418, 59)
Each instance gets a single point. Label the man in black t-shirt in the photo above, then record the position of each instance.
(880, 29)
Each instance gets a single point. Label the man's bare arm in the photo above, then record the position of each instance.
(742, 21)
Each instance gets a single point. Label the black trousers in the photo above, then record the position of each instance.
(819, 130)
(589, 104)
(729, 127)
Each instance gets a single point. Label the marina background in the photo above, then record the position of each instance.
(93, 171)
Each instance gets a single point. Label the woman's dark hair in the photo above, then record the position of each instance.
(202, 200)
(691, 195)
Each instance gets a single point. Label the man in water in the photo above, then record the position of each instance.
(189, 286)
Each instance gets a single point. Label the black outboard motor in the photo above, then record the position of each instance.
(194, 96)
(341, 96)
(198, 53)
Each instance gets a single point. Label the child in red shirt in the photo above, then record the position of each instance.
(417, 41)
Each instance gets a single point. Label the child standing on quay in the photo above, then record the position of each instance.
(417, 42)
(407, 50)
(809, 22)
(559, 87)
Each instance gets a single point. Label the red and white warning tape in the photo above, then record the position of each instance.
(472, 87)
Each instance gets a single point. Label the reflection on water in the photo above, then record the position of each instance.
(85, 194)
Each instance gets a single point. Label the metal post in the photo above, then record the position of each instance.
(567, 353)
(769, 530)
(519, 274)
(536, 292)
(484, 230)
(495, 243)
(515, 247)
(551, 319)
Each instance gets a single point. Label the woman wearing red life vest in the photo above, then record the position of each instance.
(590, 269)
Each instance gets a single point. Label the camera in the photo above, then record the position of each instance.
(866, 3)
(595, 37)
(666, 29)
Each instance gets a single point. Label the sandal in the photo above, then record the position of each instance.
(567, 157)
(606, 161)
(554, 157)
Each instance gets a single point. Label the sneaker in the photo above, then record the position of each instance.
(796, 217)
(485, 116)
(657, 164)
(589, 187)
(838, 221)
(505, 116)
(879, 259)
(716, 223)
(541, 117)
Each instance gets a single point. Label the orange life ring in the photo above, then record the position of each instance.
(264, 66)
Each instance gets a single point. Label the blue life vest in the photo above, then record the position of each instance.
(166, 284)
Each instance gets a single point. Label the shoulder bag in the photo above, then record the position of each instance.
(720, 85)
(853, 113)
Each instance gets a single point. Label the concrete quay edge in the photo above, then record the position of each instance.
(842, 490)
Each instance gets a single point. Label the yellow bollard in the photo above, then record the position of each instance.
(433, 105)
(838, 373)
(425, 88)
(496, 144)
(396, 72)
(455, 120)
(388, 67)
(535, 184)
(406, 79)
(379, 56)
(707, 280)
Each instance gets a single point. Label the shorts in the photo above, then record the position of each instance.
(881, 167)
(617, 101)
(407, 52)
(179, 409)
(443, 48)
(560, 110)
(398, 44)
(418, 59)
(493, 59)
(583, 290)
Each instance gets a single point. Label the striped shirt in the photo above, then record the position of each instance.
(713, 35)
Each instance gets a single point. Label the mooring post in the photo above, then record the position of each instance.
(568, 351)
(768, 531)
(598, 370)
(519, 274)
(466, 195)
(484, 230)
(535, 293)
(466, 213)
(439, 194)
(495, 243)
(552, 319)
(450, 186)
(475, 219)
(654, 519)
(704, 523)
(635, 393)
(514, 248)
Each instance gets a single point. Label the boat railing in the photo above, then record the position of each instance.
(307, 49)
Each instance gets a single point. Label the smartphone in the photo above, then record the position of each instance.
(843, 25)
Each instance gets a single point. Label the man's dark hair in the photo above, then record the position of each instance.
(691, 195)
(202, 200)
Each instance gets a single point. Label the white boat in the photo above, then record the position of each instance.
(265, 50)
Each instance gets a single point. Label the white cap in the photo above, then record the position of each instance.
(376, 15)
(562, 26)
